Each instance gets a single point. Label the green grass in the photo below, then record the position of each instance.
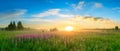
(79, 41)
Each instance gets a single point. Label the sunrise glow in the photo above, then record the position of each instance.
(69, 28)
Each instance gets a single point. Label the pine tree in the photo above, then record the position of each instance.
(20, 26)
(116, 28)
(10, 26)
(14, 25)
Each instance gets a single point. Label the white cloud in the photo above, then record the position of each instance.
(47, 13)
(37, 20)
(52, 12)
(65, 15)
(116, 9)
(83, 4)
(78, 6)
(93, 22)
(10, 15)
(13, 13)
(71, 19)
(56, 12)
(98, 5)
(82, 22)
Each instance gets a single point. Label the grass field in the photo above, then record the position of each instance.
(104, 40)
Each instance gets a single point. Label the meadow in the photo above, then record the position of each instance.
(103, 40)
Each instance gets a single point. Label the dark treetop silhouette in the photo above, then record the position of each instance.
(13, 26)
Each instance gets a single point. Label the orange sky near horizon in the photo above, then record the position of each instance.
(79, 22)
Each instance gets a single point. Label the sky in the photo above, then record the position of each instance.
(44, 14)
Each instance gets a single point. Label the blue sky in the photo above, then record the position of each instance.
(46, 11)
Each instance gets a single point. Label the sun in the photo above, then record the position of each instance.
(69, 28)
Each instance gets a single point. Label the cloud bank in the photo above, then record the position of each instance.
(78, 6)
(78, 21)
(98, 5)
(13, 13)
(52, 12)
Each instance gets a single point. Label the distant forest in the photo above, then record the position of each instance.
(14, 26)
(19, 26)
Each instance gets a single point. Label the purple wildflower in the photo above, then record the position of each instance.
(29, 36)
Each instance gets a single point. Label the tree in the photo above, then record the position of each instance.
(14, 25)
(10, 26)
(116, 27)
(20, 26)
(54, 29)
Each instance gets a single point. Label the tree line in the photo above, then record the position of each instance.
(14, 26)
(116, 28)
(19, 26)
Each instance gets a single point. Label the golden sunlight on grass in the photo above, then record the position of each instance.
(68, 28)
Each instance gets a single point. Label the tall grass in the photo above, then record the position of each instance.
(56, 41)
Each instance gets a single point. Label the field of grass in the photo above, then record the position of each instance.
(105, 40)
